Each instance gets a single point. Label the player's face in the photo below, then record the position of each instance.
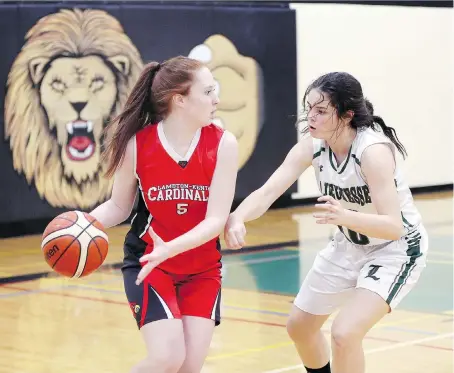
(203, 97)
(322, 117)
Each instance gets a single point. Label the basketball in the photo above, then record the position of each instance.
(74, 244)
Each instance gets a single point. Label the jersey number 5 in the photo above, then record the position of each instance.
(182, 208)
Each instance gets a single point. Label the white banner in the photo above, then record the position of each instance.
(403, 58)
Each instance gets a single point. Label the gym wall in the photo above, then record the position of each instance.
(263, 55)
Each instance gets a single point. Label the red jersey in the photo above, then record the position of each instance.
(175, 191)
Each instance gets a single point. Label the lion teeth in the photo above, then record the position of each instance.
(88, 126)
(77, 154)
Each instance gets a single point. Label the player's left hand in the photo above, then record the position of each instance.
(160, 253)
(330, 212)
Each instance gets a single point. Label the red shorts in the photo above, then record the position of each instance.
(164, 295)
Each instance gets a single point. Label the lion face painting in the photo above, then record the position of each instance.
(73, 74)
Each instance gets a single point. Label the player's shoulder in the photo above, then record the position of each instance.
(214, 130)
(370, 135)
(368, 138)
(229, 143)
(307, 146)
(225, 137)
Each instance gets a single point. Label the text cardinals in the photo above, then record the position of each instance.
(171, 192)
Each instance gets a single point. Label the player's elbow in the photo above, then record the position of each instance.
(122, 210)
(266, 197)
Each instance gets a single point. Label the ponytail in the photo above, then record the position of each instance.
(137, 113)
(388, 131)
(149, 102)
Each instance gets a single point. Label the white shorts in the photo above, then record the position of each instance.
(390, 270)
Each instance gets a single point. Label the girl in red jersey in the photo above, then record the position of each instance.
(184, 168)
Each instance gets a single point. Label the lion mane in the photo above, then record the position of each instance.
(35, 151)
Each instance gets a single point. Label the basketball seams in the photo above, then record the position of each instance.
(65, 218)
(80, 251)
(93, 239)
(62, 218)
(98, 235)
(56, 238)
(75, 238)
(97, 248)
(84, 229)
(85, 246)
(78, 259)
(101, 260)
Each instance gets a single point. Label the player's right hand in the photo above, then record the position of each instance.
(234, 233)
(159, 254)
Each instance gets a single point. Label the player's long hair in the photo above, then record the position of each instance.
(346, 94)
(148, 103)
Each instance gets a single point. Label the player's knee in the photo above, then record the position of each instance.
(293, 328)
(191, 366)
(344, 335)
(170, 363)
(301, 326)
(166, 360)
(172, 360)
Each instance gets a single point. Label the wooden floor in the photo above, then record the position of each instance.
(51, 325)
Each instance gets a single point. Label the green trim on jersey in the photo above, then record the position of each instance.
(356, 160)
(318, 153)
(413, 252)
(332, 161)
(405, 221)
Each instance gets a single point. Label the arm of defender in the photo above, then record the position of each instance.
(222, 191)
(117, 209)
(378, 166)
(258, 202)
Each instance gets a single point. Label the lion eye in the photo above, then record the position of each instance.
(58, 85)
(97, 83)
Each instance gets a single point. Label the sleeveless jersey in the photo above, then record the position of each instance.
(347, 184)
(173, 194)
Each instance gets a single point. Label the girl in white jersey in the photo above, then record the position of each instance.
(379, 249)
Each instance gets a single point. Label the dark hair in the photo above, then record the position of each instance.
(148, 102)
(345, 94)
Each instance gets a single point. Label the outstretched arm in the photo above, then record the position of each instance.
(258, 202)
(117, 209)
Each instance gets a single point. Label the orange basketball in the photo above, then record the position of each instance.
(74, 244)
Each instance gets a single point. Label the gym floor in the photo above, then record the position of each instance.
(51, 324)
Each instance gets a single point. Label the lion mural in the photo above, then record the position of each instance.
(72, 75)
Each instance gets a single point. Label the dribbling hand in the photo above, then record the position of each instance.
(331, 212)
(160, 253)
(234, 233)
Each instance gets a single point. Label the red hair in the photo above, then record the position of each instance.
(148, 102)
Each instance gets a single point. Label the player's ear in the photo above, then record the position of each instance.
(178, 100)
(348, 116)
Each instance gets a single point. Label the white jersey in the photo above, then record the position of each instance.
(346, 183)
